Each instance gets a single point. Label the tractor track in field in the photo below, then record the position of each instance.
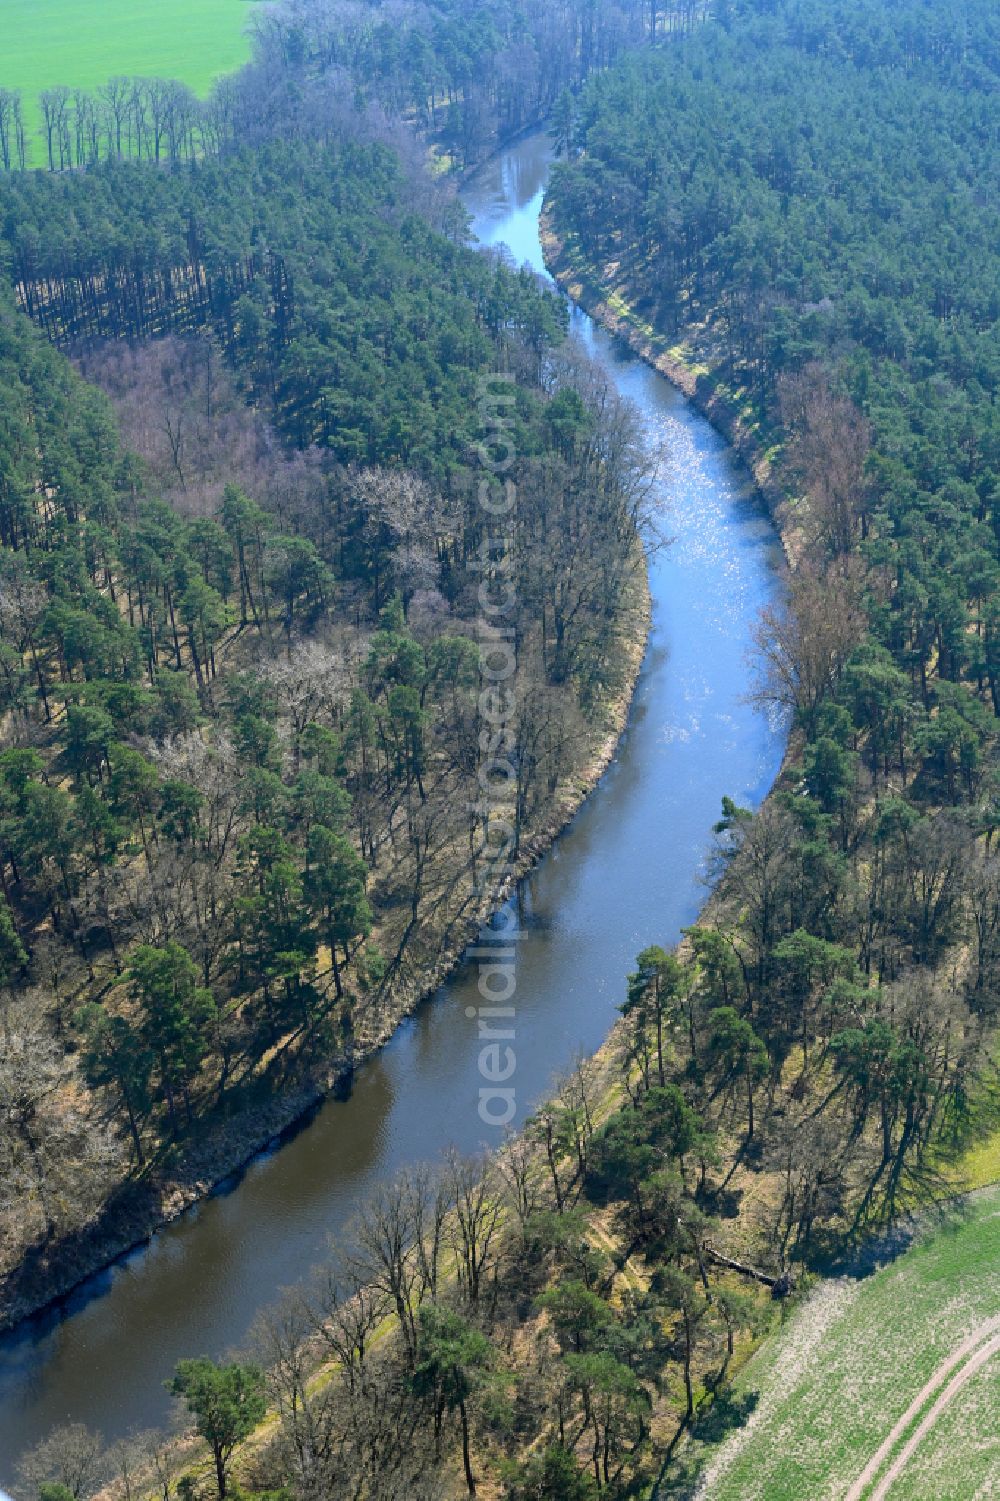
(961, 1365)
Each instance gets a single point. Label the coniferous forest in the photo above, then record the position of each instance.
(244, 351)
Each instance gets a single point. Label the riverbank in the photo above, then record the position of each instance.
(613, 305)
(725, 410)
(605, 295)
(627, 872)
(48, 1276)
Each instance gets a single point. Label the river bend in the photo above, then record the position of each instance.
(627, 873)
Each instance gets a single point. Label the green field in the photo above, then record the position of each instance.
(83, 43)
(859, 1357)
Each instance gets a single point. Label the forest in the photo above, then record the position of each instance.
(309, 304)
(853, 314)
(240, 816)
(465, 73)
(812, 1062)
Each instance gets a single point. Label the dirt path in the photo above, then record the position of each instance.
(975, 1350)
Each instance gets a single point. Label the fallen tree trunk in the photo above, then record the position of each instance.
(780, 1286)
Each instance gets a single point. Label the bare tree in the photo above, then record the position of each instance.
(312, 684)
(826, 456)
(131, 1459)
(387, 1257)
(116, 95)
(10, 100)
(55, 118)
(55, 1163)
(517, 1167)
(345, 1313)
(71, 1456)
(403, 520)
(477, 1215)
(801, 648)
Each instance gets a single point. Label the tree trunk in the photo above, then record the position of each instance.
(470, 1479)
(221, 1478)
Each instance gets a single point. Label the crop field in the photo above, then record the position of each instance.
(83, 43)
(880, 1389)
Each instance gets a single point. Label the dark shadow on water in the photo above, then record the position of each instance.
(96, 1284)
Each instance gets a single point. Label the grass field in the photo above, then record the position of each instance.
(859, 1357)
(970, 1429)
(83, 43)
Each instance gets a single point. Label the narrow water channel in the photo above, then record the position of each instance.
(627, 873)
